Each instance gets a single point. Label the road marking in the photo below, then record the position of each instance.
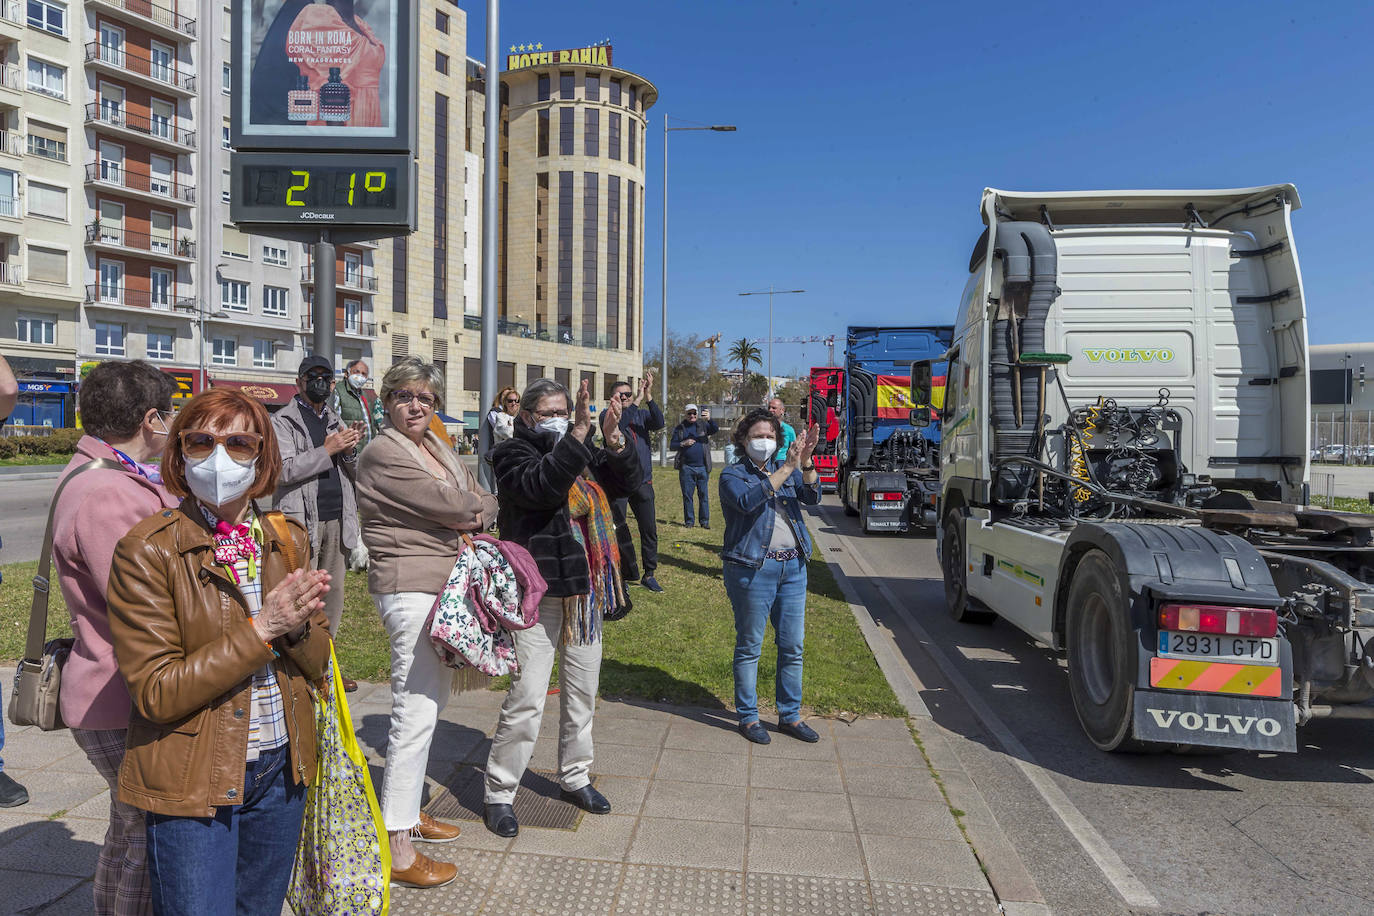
(1122, 879)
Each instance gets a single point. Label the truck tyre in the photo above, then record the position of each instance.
(954, 564)
(863, 509)
(1101, 663)
(849, 508)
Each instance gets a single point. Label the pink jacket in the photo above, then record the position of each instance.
(92, 515)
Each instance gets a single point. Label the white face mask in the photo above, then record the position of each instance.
(762, 449)
(218, 479)
(357, 380)
(556, 425)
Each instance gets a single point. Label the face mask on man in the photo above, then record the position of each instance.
(317, 389)
(217, 479)
(556, 425)
(357, 380)
(762, 449)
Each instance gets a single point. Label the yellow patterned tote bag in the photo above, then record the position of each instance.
(343, 861)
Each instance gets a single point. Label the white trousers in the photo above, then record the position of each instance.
(579, 670)
(421, 685)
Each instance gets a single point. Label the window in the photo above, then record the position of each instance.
(160, 116)
(634, 98)
(544, 88)
(441, 62)
(472, 374)
(543, 149)
(160, 287)
(563, 377)
(49, 79)
(233, 295)
(47, 201)
(224, 137)
(159, 174)
(34, 330)
(234, 244)
(112, 281)
(615, 92)
(613, 136)
(47, 141)
(226, 79)
(225, 351)
(274, 256)
(224, 182)
(566, 82)
(48, 16)
(274, 301)
(633, 131)
(47, 265)
(159, 343)
(591, 133)
(532, 374)
(161, 227)
(353, 315)
(565, 131)
(264, 354)
(441, 21)
(109, 339)
(161, 62)
(592, 87)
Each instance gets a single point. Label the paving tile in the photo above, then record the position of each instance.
(545, 885)
(695, 801)
(625, 793)
(884, 729)
(28, 892)
(791, 895)
(947, 901)
(784, 746)
(891, 782)
(477, 871)
(699, 736)
(704, 766)
(56, 792)
(638, 732)
(813, 853)
(64, 847)
(694, 844)
(1006, 872)
(907, 817)
(807, 810)
(34, 749)
(624, 760)
(631, 709)
(800, 775)
(598, 836)
(878, 752)
(908, 860)
(13, 825)
(475, 836)
(657, 890)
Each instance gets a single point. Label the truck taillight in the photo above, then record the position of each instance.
(886, 497)
(1215, 618)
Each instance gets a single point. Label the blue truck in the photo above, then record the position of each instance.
(889, 471)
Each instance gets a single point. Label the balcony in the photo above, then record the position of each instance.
(9, 208)
(120, 239)
(11, 13)
(163, 133)
(11, 78)
(11, 274)
(360, 280)
(343, 325)
(543, 332)
(139, 67)
(143, 186)
(117, 297)
(160, 19)
(11, 143)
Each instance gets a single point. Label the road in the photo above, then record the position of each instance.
(23, 513)
(1239, 833)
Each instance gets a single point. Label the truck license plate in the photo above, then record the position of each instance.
(1218, 648)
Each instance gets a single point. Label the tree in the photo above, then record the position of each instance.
(754, 389)
(746, 354)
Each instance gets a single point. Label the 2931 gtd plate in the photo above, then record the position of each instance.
(1217, 648)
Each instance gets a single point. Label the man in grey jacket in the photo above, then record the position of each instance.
(318, 457)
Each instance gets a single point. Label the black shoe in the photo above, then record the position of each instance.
(586, 798)
(799, 730)
(688, 524)
(706, 525)
(755, 732)
(651, 583)
(12, 794)
(500, 820)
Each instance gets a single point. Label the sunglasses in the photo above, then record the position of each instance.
(405, 396)
(512, 400)
(197, 444)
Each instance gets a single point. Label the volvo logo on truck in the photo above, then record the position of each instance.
(1129, 355)
(1214, 723)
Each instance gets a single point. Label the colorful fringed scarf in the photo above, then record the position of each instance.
(594, 528)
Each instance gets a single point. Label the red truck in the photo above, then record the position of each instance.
(823, 409)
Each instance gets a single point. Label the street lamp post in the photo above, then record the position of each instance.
(663, 368)
(1345, 410)
(491, 186)
(770, 292)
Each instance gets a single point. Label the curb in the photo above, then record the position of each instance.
(31, 472)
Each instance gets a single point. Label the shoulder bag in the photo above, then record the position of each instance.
(38, 679)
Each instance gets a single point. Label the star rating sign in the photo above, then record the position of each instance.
(538, 46)
(512, 49)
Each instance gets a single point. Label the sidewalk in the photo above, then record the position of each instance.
(703, 822)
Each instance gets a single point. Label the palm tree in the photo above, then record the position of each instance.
(744, 353)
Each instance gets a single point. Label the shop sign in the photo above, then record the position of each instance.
(535, 56)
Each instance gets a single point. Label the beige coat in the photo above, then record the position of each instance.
(413, 522)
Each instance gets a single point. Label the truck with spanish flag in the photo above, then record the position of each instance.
(1124, 467)
(888, 470)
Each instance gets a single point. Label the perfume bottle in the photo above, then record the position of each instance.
(301, 102)
(336, 104)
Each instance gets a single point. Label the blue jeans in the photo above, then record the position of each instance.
(237, 863)
(694, 479)
(2, 730)
(776, 593)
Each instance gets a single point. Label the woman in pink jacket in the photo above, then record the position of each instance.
(126, 409)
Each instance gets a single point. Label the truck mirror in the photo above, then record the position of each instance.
(920, 417)
(922, 385)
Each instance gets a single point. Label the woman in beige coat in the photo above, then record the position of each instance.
(416, 499)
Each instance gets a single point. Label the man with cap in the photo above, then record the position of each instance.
(318, 456)
(691, 441)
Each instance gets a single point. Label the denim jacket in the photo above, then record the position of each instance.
(746, 498)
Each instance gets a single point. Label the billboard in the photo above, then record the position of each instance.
(323, 75)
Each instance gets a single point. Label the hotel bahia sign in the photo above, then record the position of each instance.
(534, 55)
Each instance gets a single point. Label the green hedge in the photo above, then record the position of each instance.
(60, 444)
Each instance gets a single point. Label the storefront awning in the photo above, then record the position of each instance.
(267, 392)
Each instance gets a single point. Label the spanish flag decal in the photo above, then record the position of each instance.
(894, 396)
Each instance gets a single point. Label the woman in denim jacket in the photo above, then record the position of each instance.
(766, 549)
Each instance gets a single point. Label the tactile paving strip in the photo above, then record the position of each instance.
(532, 885)
(536, 803)
(922, 900)
(793, 895)
(665, 890)
(477, 871)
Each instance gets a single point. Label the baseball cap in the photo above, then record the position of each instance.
(314, 362)
(689, 408)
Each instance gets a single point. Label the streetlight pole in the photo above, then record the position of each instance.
(663, 368)
(771, 292)
(491, 177)
(1345, 409)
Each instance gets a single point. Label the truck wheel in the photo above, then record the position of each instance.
(954, 563)
(1101, 664)
(863, 509)
(849, 508)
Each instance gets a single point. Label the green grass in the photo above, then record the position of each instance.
(28, 460)
(675, 647)
(1351, 504)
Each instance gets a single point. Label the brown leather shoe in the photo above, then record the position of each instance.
(431, 831)
(424, 872)
(350, 685)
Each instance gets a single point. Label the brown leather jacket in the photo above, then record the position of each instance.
(187, 649)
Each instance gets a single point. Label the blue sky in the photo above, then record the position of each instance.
(867, 132)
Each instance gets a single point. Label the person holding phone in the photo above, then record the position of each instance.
(691, 441)
(318, 460)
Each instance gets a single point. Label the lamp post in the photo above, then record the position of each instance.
(770, 292)
(200, 322)
(1345, 410)
(663, 369)
(491, 185)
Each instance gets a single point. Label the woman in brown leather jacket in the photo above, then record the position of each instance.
(217, 629)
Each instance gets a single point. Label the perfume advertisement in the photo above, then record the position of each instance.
(322, 70)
